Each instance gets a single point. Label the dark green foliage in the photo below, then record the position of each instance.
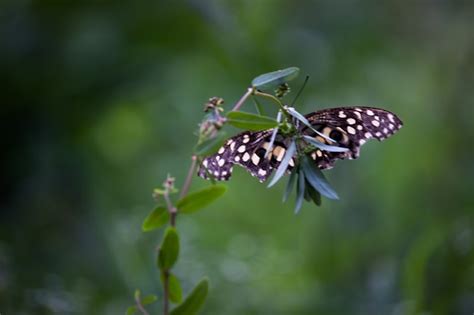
(249, 121)
(194, 301)
(197, 200)
(169, 249)
(156, 219)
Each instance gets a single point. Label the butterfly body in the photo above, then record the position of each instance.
(347, 127)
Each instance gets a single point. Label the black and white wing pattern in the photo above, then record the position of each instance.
(349, 127)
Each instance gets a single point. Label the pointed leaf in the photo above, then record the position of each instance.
(157, 218)
(200, 199)
(211, 145)
(169, 249)
(175, 291)
(131, 310)
(316, 178)
(290, 184)
(300, 185)
(284, 164)
(322, 146)
(149, 299)
(274, 133)
(273, 79)
(293, 112)
(313, 194)
(249, 121)
(194, 300)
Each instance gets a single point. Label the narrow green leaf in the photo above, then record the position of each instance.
(322, 146)
(316, 178)
(200, 199)
(194, 301)
(157, 218)
(175, 291)
(284, 164)
(169, 249)
(249, 121)
(293, 112)
(313, 194)
(131, 310)
(211, 145)
(149, 299)
(273, 79)
(300, 185)
(290, 184)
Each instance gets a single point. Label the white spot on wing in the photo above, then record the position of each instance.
(241, 149)
(255, 159)
(390, 117)
(351, 121)
(362, 141)
(341, 114)
(358, 115)
(359, 127)
(246, 157)
(221, 162)
(262, 172)
(369, 112)
(368, 135)
(221, 150)
(237, 158)
(375, 123)
(351, 130)
(205, 163)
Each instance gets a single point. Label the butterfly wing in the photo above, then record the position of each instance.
(350, 127)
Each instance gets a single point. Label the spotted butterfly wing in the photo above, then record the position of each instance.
(349, 127)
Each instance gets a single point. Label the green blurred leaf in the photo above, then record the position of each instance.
(249, 121)
(284, 164)
(175, 291)
(276, 78)
(200, 199)
(316, 178)
(136, 295)
(290, 185)
(211, 145)
(194, 300)
(131, 310)
(300, 189)
(313, 194)
(156, 219)
(169, 249)
(149, 299)
(325, 147)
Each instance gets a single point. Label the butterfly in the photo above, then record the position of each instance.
(349, 127)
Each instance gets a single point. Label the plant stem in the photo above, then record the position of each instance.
(166, 292)
(189, 178)
(249, 92)
(140, 307)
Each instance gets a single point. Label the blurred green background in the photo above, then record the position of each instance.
(101, 101)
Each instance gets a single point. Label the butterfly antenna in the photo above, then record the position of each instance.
(301, 90)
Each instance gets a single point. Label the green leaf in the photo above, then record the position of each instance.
(290, 185)
(284, 164)
(249, 121)
(313, 194)
(131, 310)
(200, 199)
(322, 146)
(175, 291)
(169, 249)
(316, 178)
(136, 295)
(273, 79)
(300, 189)
(149, 299)
(211, 145)
(157, 218)
(194, 300)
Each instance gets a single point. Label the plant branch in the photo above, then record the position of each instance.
(166, 292)
(249, 92)
(189, 178)
(140, 306)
